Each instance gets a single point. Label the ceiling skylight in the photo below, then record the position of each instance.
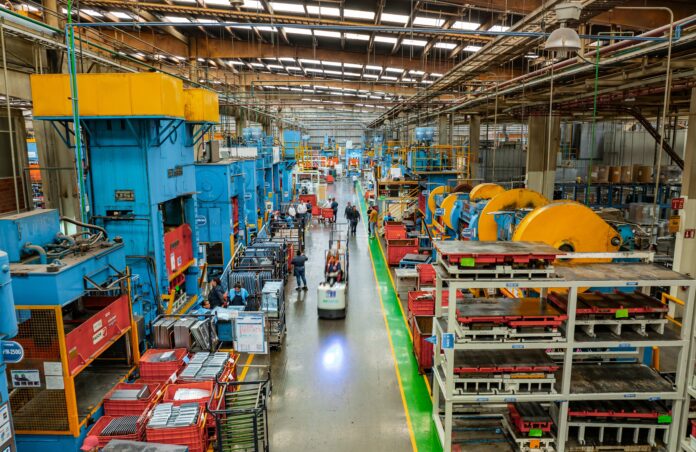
(288, 7)
(414, 42)
(394, 18)
(387, 39)
(460, 25)
(357, 36)
(357, 14)
(428, 21)
(323, 10)
(327, 33)
(445, 45)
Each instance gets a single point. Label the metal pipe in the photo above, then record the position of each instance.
(39, 250)
(9, 115)
(85, 225)
(61, 237)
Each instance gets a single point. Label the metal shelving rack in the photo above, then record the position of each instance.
(571, 277)
(689, 397)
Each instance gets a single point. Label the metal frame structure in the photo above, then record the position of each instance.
(573, 278)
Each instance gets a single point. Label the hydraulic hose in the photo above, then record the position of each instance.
(39, 250)
(85, 225)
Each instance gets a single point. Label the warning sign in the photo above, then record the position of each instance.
(28, 378)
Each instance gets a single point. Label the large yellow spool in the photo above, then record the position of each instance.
(432, 205)
(569, 226)
(485, 191)
(515, 199)
(448, 204)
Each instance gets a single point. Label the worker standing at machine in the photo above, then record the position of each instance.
(373, 217)
(298, 264)
(217, 295)
(239, 295)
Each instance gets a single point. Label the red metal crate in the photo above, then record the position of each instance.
(213, 389)
(327, 213)
(397, 249)
(161, 371)
(422, 302)
(312, 199)
(525, 425)
(394, 230)
(195, 437)
(426, 274)
(103, 421)
(421, 329)
(131, 407)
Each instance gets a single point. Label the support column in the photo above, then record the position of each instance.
(542, 153)
(444, 131)
(685, 249)
(475, 146)
(240, 123)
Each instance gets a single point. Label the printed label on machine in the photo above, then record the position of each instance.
(54, 368)
(28, 378)
(99, 336)
(54, 382)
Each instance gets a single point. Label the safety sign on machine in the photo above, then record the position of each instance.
(28, 378)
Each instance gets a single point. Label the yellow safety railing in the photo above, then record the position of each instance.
(666, 299)
(440, 158)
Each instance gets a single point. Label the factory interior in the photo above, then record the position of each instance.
(330, 225)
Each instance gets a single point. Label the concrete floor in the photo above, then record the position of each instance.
(334, 384)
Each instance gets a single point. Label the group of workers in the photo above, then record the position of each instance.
(353, 216)
(218, 297)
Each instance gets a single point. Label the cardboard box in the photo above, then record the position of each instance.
(614, 174)
(626, 174)
(642, 174)
(599, 174)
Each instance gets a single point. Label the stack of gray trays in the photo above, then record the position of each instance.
(193, 333)
(125, 425)
(205, 366)
(163, 332)
(272, 296)
(166, 415)
(121, 445)
(131, 394)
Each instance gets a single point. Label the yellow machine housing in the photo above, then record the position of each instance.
(515, 199)
(485, 191)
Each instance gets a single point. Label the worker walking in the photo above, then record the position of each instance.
(298, 264)
(334, 207)
(348, 210)
(373, 218)
(354, 218)
(302, 214)
(217, 297)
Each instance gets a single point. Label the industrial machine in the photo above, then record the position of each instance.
(139, 134)
(75, 326)
(8, 330)
(222, 217)
(488, 212)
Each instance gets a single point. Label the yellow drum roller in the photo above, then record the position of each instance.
(485, 191)
(432, 204)
(571, 227)
(515, 199)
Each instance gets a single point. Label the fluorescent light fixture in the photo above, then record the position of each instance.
(175, 19)
(394, 18)
(288, 7)
(296, 89)
(315, 70)
(407, 79)
(89, 12)
(432, 74)
(531, 56)
(462, 25)
(307, 90)
(241, 27)
(269, 86)
(445, 45)
(306, 61)
(357, 14)
(375, 97)
(327, 71)
(283, 88)
(320, 87)
(363, 96)
(327, 33)
(348, 89)
(331, 63)
(218, 2)
(305, 99)
(291, 60)
(387, 39)
(428, 21)
(201, 60)
(471, 48)
(121, 15)
(206, 20)
(316, 100)
(357, 36)
(352, 65)
(415, 72)
(388, 77)
(414, 42)
(269, 58)
(276, 66)
(373, 68)
(336, 93)
(398, 70)
(499, 28)
(257, 65)
(371, 76)
(271, 29)
(323, 10)
(252, 4)
(298, 31)
(427, 82)
(293, 68)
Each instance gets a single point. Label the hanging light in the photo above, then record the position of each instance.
(564, 40)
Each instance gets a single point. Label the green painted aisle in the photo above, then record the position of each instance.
(414, 390)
